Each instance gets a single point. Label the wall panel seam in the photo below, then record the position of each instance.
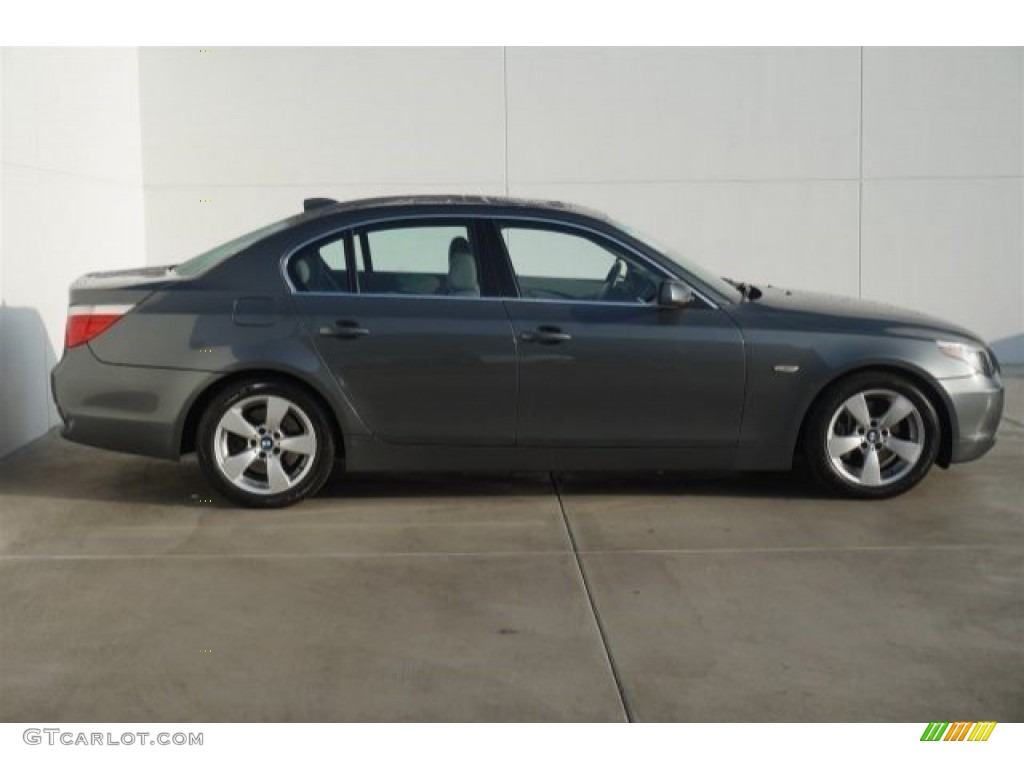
(860, 183)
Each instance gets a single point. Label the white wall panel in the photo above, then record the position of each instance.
(953, 249)
(72, 203)
(797, 234)
(322, 116)
(19, 137)
(87, 112)
(943, 112)
(629, 114)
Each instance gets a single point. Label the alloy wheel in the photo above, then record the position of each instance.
(265, 444)
(875, 438)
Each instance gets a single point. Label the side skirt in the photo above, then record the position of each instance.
(365, 454)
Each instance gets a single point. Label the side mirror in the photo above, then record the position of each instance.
(674, 294)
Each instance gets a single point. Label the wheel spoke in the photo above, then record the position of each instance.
(304, 444)
(858, 408)
(277, 407)
(905, 449)
(899, 409)
(271, 461)
(234, 466)
(871, 474)
(235, 422)
(842, 445)
(277, 478)
(876, 437)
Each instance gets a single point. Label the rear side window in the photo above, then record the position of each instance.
(418, 259)
(321, 268)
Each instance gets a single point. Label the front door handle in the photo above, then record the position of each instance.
(546, 334)
(345, 329)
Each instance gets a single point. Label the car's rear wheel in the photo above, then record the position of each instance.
(873, 435)
(265, 443)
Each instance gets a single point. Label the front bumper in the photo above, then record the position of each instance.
(131, 409)
(976, 407)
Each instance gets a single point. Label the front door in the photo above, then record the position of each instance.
(601, 364)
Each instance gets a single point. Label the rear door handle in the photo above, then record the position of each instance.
(345, 329)
(546, 334)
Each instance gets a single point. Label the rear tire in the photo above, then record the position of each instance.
(265, 443)
(871, 436)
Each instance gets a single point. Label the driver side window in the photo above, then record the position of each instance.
(558, 265)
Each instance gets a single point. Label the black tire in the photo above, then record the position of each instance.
(831, 419)
(220, 449)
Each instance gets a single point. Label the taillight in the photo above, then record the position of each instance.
(85, 323)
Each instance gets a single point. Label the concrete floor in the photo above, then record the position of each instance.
(127, 594)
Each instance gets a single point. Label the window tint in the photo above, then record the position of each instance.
(418, 259)
(552, 264)
(333, 254)
(320, 268)
(716, 283)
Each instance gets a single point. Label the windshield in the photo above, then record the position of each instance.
(711, 280)
(215, 256)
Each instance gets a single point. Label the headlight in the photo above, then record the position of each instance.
(973, 355)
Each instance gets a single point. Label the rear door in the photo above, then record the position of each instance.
(406, 316)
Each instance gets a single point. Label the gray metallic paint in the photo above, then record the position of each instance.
(636, 387)
(438, 371)
(633, 375)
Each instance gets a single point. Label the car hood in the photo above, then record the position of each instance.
(822, 311)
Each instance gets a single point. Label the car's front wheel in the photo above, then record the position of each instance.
(265, 443)
(873, 435)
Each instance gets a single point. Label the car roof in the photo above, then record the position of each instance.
(317, 207)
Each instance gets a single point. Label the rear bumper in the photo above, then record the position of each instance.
(977, 407)
(123, 408)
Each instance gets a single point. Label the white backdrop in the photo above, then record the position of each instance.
(71, 201)
(895, 174)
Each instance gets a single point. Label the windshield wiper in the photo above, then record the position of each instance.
(749, 291)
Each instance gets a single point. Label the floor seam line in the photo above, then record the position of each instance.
(798, 550)
(286, 555)
(627, 710)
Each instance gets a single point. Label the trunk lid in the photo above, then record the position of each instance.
(123, 286)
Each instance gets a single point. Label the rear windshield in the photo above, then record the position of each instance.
(215, 256)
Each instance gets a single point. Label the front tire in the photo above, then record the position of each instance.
(265, 443)
(872, 436)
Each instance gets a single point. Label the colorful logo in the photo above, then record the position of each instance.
(958, 731)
